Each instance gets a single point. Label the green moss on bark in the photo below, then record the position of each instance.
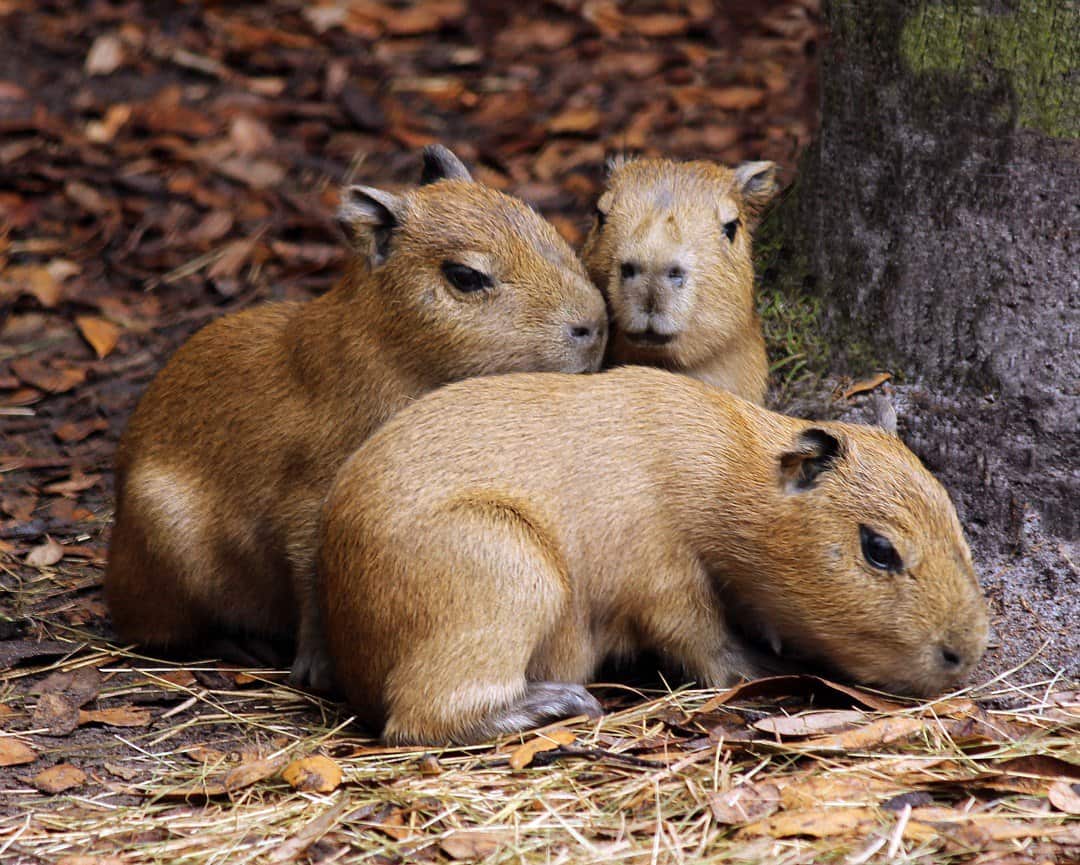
(789, 307)
(1037, 47)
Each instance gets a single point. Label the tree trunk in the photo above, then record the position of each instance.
(940, 218)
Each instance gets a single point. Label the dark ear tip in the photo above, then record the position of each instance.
(441, 163)
(436, 152)
(821, 441)
(817, 452)
(617, 160)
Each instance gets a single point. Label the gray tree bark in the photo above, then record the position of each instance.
(939, 214)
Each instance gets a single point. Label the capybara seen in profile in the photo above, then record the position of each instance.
(233, 446)
(485, 550)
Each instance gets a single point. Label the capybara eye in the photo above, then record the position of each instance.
(628, 270)
(676, 275)
(730, 228)
(465, 278)
(878, 551)
(601, 218)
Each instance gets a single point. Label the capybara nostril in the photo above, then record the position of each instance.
(660, 221)
(950, 659)
(584, 333)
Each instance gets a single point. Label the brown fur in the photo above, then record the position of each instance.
(232, 448)
(490, 546)
(665, 221)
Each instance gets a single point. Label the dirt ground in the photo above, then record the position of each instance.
(164, 164)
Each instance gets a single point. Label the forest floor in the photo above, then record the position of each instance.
(164, 164)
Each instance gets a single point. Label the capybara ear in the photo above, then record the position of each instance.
(756, 181)
(440, 163)
(603, 205)
(617, 161)
(369, 217)
(816, 452)
(883, 413)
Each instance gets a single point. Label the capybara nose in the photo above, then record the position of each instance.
(951, 660)
(584, 334)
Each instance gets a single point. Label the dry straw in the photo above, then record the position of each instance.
(198, 764)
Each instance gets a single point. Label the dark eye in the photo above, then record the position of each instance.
(730, 228)
(879, 552)
(628, 270)
(464, 278)
(676, 275)
(601, 218)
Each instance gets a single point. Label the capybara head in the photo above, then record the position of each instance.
(472, 280)
(671, 249)
(873, 575)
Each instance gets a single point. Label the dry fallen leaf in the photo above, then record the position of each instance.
(55, 714)
(121, 716)
(393, 824)
(181, 678)
(429, 765)
(104, 131)
(56, 377)
(250, 136)
(658, 24)
(801, 686)
(474, 844)
(810, 723)
(76, 431)
(549, 741)
(317, 774)
(814, 822)
(90, 860)
(866, 385)
(817, 790)
(575, 121)
(127, 773)
(79, 686)
(291, 849)
(873, 735)
(737, 98)
(745, 803)
(1041, 766)
(21, 507)
(204, 788)
(74, 484)
(105, 55)
(257, 173)
(38, 281)
(87, 197)
(233, 257)
(15, 753)
(214, 226)
(1065, 797)
(59, 778)
(45, 555)
(101, 334)
(251, 772)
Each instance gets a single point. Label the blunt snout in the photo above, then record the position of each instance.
(586, 334)
(586, 339)
(653, 299)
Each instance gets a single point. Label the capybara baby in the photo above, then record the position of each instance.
(671, 249)
(233, 446)
(486, 549)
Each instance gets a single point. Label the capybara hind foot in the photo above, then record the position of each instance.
(312, 669)
(244, 652)
(541, 702)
